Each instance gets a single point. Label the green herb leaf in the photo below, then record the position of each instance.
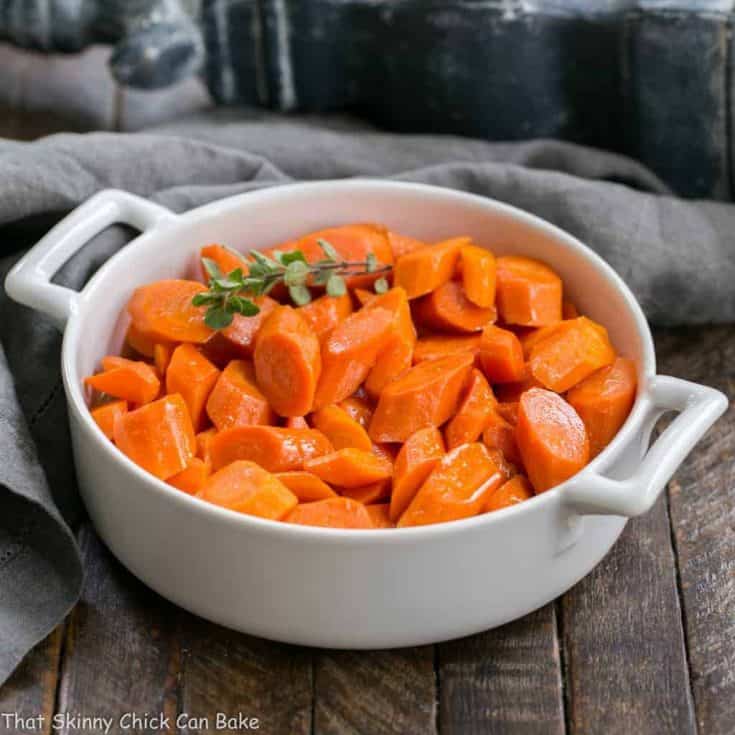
(264, 260)
(204, 298)
(243, 306)
(217, 317)
(371, 263)
(381, 285)
(328, 249)
(336, 285)
(300, 295)
(295, 256)
(211, 267)
(296, 273)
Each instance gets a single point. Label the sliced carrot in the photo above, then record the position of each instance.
(106, 414)
(139, 342)
(275, 448)
(350, 351)
(386, 452)
(403, 244)
(326, 312)
(162, 352)
(570, 354)
(287, 362)
(415, 461)
(349, 467)
(163, 311)
(296, 422)
(247, 488)
(358, 409)
(508, 468)
(236, 399)
(191, 479)
(129, 380)
(341, 429)
(501, 355)
(436, 346)
(331, 513)
(447, 309)
(375, 492)
(551, 437)
(227, 260)
(421, 271)
(158, 437)
(604, 400)
(397, 355)
(529, 293)
(473, 412)
(426, 395)
(203, 445)
(537, 335)
(306, 486)
(501, 434)
(512, 392)
(509, 411)
(458, 487)
(237, 342)
(569, 310)
(364, 296)
(379, 515)
(514, 491)
(194, 377)
(478, 275)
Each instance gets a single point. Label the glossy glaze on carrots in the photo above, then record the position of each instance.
(470, 385)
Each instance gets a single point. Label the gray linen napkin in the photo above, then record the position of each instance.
(678, 256)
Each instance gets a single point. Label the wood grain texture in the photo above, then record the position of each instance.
(31, 691)
(234, 674)
(624, 645)
(507, 680)
(702, 506)
(121, 650)
(376, 692)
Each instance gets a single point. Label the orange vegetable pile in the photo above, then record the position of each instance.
(471, 385)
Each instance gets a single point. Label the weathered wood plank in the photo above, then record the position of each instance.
(623, 640)
(237, 675)
(377, 692)
(702, 506)
(31, 691)
(121, 649)
(506, 680)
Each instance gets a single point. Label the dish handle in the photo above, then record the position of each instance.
(699, 407)
(29, 282)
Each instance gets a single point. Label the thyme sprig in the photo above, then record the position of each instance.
(232, 293)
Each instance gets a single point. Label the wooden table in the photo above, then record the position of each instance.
(644, 645)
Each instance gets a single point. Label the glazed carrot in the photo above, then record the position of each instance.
(396, 357)
(572, 352)
(508, 468)
(352, 243)
(500, 434)
(326, 312)
(358, 409)
(515, 490)
(236, 399)
(529, 293)
(427, 394)
(247, 488)
(194, 377)
(350, 351)
(442, 345)
(416, 459)
(349, 467)
(363, 296)
(447, 309)
(385, 452)
(512, 392)
(341, 429)
(287, 362)
(458, 487)
(375, 492)
(473, 413)
(296, 422)
(106, 414)
(421, 271)
(331, 513)
(227, 260)
(403, 244)
(275, 448)
(237, 342)
(551, 439)
(604, 400)
(569, 310)
(306, 486)
(139, 342)
(162, 352)
(509, 411)
(478, 275)
(130, 380)
(158, 437)
(501, 355)
(191, 479)
(163, 311)
(378, 513)
(203, 445)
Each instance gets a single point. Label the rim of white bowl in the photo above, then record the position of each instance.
(296, 532)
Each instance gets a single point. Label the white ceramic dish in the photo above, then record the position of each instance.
(352, 589)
